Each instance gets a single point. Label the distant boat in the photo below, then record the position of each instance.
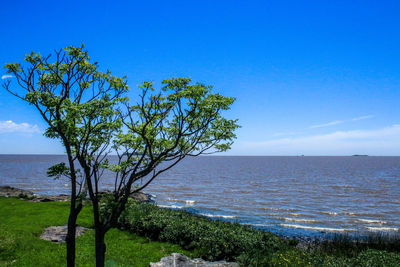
(360, 155)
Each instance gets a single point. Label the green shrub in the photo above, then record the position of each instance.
(217, 240)
(212, 240)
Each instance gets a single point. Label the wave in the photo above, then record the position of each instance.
(171, 206)
(218, 216)
(322, 229)
(208, 208)
(189, 202)
(383, 229)
(372, 221)
(329, 213)
(362, 214)
(298, 220)
(301, 214)
(278, 209)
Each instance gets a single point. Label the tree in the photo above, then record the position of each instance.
(180, 120)
(69, 93)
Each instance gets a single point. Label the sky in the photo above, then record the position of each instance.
(309, 77)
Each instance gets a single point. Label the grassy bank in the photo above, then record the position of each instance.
(22, 222)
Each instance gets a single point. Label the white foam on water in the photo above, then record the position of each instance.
(299, 220)
(329, 213)
(218, 216)
(383, 229)
(188, 202)
(171, 206)
(372, 221)
(300, 214)
(277, 209)
(322, 229)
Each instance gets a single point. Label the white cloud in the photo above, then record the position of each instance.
(384, 141)
(341, 121)
(12, 127)
(6, 76)
(327, 124)
(362, 118)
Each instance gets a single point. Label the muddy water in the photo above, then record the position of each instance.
(286, 195)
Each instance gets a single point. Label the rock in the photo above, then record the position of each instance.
(8, 191)
(180, 260)
(58, 234)
(140, 196)
(61, 198)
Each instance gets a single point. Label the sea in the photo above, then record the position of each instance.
(295, 196)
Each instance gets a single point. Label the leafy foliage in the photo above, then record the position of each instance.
(212, 240)
(215, 240)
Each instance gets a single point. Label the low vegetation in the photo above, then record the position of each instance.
(148, 233)
(216, 240)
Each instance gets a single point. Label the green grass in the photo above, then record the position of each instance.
(22, 222)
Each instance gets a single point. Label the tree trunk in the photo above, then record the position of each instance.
(100, 247)
(70, 240)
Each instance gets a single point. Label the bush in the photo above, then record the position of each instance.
(217, 240)
(212, 240)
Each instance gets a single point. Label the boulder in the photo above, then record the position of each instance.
(180, 260)
(58, 234)
(140, 196)
(8, 191)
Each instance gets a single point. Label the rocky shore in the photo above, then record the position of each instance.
(8, 191)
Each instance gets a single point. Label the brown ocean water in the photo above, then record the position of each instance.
(286, 195)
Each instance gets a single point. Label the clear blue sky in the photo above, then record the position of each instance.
(310, 77)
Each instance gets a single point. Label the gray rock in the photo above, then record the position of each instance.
(8, 191)
(140, 196)
(61, 198)
(58, 234)
(180, 260)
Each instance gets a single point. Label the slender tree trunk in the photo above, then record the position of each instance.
(100, 247)
(70, 239)
(75, 209)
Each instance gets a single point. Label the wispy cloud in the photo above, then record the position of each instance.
(383, 141)
(327, 124)
(6, 76)
(341, 121)
(12, 127)
(362, 118)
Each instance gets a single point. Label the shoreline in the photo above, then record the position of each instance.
(305, 241)
(216, 239)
